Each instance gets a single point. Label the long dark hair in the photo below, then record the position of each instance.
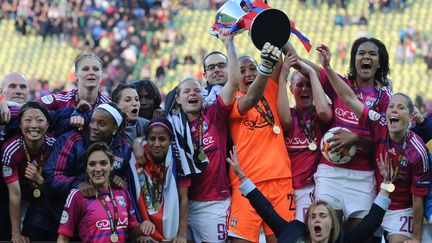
(382, 71)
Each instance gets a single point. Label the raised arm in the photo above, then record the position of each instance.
(230, 89)
(269, 57)
(340, 87)
(283, 107)
(289, 49)
(322, 107)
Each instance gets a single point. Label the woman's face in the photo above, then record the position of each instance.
(34, 125)
(147, 104)
(320, 224)
(302, 91)
(190, 97)
(89, 73)
(98, 169)
(248, 71)
(158, 142)
(129, 103)
(367, 61)
(398, 115)
(102, 126)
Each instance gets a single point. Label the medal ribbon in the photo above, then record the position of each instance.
(158, 177)
(41, 160)
(199, 146)
(400, 157)
(113, 220)
(356, 90)
(152, 190)
(267, 115)
(308, 131)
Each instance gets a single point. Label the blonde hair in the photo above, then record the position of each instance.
(335, 230)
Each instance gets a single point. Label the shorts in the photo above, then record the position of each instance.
(245, 223)
(398, 222)
(207, 221)
(304, 197)
(349, 191)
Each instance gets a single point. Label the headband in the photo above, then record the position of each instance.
(159, 124)
(113, 112)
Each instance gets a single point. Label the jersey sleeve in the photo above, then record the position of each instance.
(219, 111)
(421, 170)
(373, 121)
(9, 167)
(71, 213)
(49, 101)
(235, 113)
(326, 85)
(60, 175)
(132, 219)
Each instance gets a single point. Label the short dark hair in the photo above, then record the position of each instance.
(383, 70)
(34, 105)
(99, 146)
(116, 94)
(213, 53)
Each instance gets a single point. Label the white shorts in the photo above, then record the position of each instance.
(207, 221)
(398, 222)
(350, 191)
(304, 197)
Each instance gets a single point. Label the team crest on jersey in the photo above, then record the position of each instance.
(121, 201)
(7, 171)
(47, 99)
(370, 101)
(64, 217)
(233, 222)
(117, 162)
(373, 115)
(205, 126)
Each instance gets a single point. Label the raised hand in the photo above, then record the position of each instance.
(324, 55)
(225, 36)
(269, 57)
(385, 167)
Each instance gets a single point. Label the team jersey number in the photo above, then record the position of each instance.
(292, 203)
(407, 225)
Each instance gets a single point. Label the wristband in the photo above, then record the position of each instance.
(388, 187)
(265, 70)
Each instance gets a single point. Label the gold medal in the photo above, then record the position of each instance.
(276, 129)
(312, 146)
(36, 193)
(202, 156)
(114, 237)
(391, 187)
